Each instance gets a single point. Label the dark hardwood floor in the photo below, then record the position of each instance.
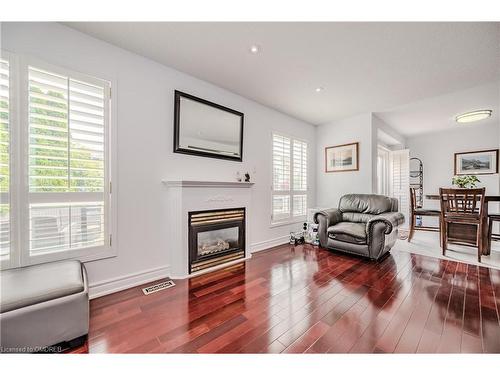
(307, 300)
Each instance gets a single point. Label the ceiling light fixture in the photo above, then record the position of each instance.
(254, 49)
(473, 116)
(319, 89)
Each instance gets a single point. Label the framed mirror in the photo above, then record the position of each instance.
(207, 129)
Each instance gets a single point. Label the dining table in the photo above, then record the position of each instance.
(466, 233)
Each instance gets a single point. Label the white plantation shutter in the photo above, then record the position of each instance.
(289, 198)
(281, 163)
(5, 225)
(281, 205)
(400, 179)
(299, 178)
(67, 152)
(299, 205)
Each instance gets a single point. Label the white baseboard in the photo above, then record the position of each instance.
(117, 284)
(264, 245)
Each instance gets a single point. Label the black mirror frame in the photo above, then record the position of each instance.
(177, 149)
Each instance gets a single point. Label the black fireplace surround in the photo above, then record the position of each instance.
(215, 237)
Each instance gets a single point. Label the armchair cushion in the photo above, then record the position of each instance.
(348, 232)
(357, 217)
(365, 203)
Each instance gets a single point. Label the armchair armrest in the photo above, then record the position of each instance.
(325, 219)
(332, 216)
(378, 224)
(386, 219)
(378, 228)
(395, 218)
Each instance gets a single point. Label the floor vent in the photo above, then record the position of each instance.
(158, 287)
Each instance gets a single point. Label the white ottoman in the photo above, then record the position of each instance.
(43, 305)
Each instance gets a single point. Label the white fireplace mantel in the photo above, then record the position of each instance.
(191, 183)
(184, 196)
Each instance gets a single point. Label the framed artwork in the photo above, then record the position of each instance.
(476, 162)
(342, 158)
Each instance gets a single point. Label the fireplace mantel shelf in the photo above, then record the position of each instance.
(190, 183)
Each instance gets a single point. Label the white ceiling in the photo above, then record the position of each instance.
(364, 67)
(438, 113)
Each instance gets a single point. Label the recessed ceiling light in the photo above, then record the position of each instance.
(254, 49)
(473, 116)
(319, 89)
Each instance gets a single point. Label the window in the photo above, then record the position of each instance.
(64, 148)
(5, 232)
(289, 198)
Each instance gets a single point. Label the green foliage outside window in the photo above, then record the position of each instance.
(84, 163)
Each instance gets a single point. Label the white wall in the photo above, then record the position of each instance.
(331, 186)
(436, 150)
(143, 96)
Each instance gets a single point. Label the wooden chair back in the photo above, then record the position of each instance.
(458, 202)
(413, 200)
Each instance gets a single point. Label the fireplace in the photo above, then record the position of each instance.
(215, 237)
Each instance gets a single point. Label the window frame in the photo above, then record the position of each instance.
(21, 170)
(383, 180)
(291, 219)
(14, 162)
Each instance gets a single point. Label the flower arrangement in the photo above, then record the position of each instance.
(465, 182)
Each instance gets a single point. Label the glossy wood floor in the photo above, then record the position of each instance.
(303, 299)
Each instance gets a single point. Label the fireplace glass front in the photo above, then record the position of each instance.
(216, 237)
(215, 241)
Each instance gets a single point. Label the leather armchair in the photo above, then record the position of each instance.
(363, 224)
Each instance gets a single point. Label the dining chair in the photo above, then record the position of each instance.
(420, 211)
(462, 206)
(492, 236)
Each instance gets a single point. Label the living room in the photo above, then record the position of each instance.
(250, 187)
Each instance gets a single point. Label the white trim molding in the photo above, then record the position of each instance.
(225, 184)
(117, 284)
(267, 244)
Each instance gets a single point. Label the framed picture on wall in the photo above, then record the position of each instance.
(476, 162)
(342, 158)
